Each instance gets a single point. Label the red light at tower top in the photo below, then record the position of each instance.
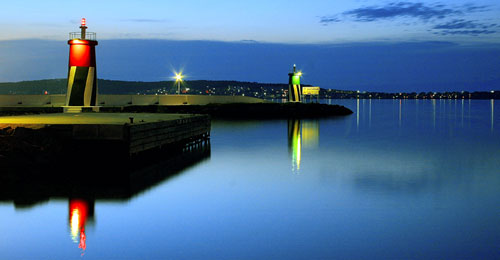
(84, 22)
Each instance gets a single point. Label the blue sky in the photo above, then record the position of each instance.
(456, 42)
(315, 21)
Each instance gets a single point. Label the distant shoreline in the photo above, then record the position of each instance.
(266, 91)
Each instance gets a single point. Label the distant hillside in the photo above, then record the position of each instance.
(58, 86)
(53, 86)
(230, 88)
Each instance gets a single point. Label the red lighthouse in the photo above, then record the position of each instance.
(82, 73)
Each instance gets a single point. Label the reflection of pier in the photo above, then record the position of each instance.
(114, 181)
(301, 134)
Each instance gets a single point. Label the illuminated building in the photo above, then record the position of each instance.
(82, 74)
(294, 89)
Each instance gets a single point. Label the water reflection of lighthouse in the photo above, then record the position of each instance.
(301, 134)
(81, 212)
(294, 143)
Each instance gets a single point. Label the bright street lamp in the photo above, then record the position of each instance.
(178, 79)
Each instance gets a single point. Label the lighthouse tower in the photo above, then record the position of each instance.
(294, 89)
(82, 74)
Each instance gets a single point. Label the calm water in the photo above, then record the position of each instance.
(397, 179)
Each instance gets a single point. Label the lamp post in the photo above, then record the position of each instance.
(178, 79)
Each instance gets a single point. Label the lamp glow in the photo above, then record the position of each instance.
(178, 78)
(84, 22)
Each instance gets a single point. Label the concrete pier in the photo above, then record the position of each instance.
(135, 132)
(58, 100)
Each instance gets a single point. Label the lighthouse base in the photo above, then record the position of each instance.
(80, 109)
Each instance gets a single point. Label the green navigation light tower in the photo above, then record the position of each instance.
(294, 89)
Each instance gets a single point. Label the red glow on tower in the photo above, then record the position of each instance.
(84, 22)
(82, 53)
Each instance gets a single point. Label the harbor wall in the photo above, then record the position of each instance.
(124, 100)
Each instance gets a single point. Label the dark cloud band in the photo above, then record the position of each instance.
(463, 24)
(401, 9)
(428, 13)
(465, 32)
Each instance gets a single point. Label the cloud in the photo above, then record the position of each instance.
(249, 41)
(476, 8)
(447, 15)
(464, 27)
(141, 20)
(463, 24)
(401, 9)
(421, 11)
(326, 20)
(411, 66)
(465, 32)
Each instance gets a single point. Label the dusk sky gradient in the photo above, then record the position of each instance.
(367, 45)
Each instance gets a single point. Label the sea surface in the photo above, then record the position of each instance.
(398, 179)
